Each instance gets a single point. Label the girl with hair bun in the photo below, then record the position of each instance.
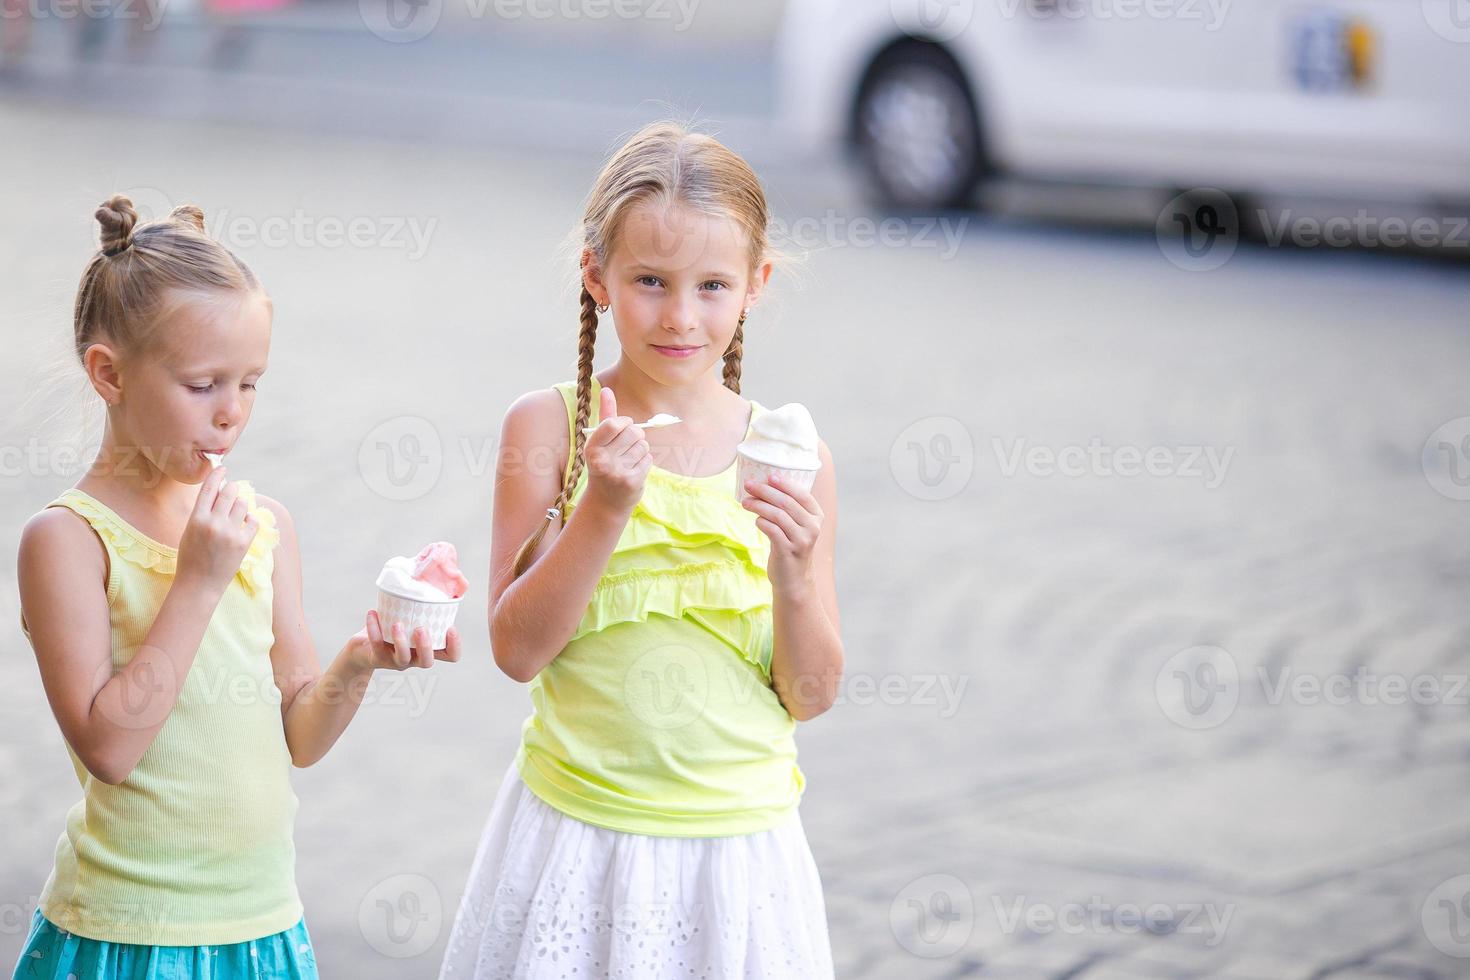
(163, 603)
(671, 634)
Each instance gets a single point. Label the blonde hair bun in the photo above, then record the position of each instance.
(117, 217)
(188, 214)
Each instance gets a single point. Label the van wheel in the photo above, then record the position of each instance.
(917, 130)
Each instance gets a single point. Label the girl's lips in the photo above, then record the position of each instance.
(677, 351)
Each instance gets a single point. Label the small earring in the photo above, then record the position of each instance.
(602, 307)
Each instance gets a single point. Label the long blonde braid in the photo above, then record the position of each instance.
(586, 343)
(732, 356)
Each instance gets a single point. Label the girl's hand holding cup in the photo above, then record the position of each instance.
(399, 649)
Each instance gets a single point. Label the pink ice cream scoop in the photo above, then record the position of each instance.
(438, 565)
(423, 591)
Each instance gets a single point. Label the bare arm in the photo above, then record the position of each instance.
(110, 719)
(533, 617)
(317, 707)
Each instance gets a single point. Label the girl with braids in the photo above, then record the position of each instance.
(648, 826)
(154, 592)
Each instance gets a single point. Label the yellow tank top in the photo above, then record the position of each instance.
(658, 716)
(195, 846)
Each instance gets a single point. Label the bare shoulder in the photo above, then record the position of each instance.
(282, 515)
(541, 409)
(535, 426)
(57, 548)
(534, 446)
(284, 524)
(59, 536)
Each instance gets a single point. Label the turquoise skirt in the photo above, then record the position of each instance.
(51, 954)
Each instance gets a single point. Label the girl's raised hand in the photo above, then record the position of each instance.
(217, 535)
(400, 650)
(618, 458)
(791, 517)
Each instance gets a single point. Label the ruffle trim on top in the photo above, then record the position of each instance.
(633, 596)
(677, 516)
(139, 549)
(684, 515)
(728, 578)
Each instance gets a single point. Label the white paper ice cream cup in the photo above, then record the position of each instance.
(434, 616)
(753, 469)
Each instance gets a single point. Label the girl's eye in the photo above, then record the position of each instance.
(716, 282)
(248, 387)
(200, 389)
(646, 280)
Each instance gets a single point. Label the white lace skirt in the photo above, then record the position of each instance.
(552, 897)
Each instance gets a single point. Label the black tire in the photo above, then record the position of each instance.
(916, 128)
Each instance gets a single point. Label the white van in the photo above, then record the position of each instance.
(1359, 99)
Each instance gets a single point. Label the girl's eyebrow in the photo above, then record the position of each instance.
(712, 274)
(213, 370)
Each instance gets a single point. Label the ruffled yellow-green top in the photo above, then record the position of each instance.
(195, 846)
(658, 717)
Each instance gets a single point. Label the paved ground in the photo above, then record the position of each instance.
(1094, 724)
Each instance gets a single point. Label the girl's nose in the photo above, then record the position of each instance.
(232, 414)
(680, 317)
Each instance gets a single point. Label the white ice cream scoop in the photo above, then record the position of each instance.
(783, 437)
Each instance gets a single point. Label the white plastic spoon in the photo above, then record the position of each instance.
(659, 420)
